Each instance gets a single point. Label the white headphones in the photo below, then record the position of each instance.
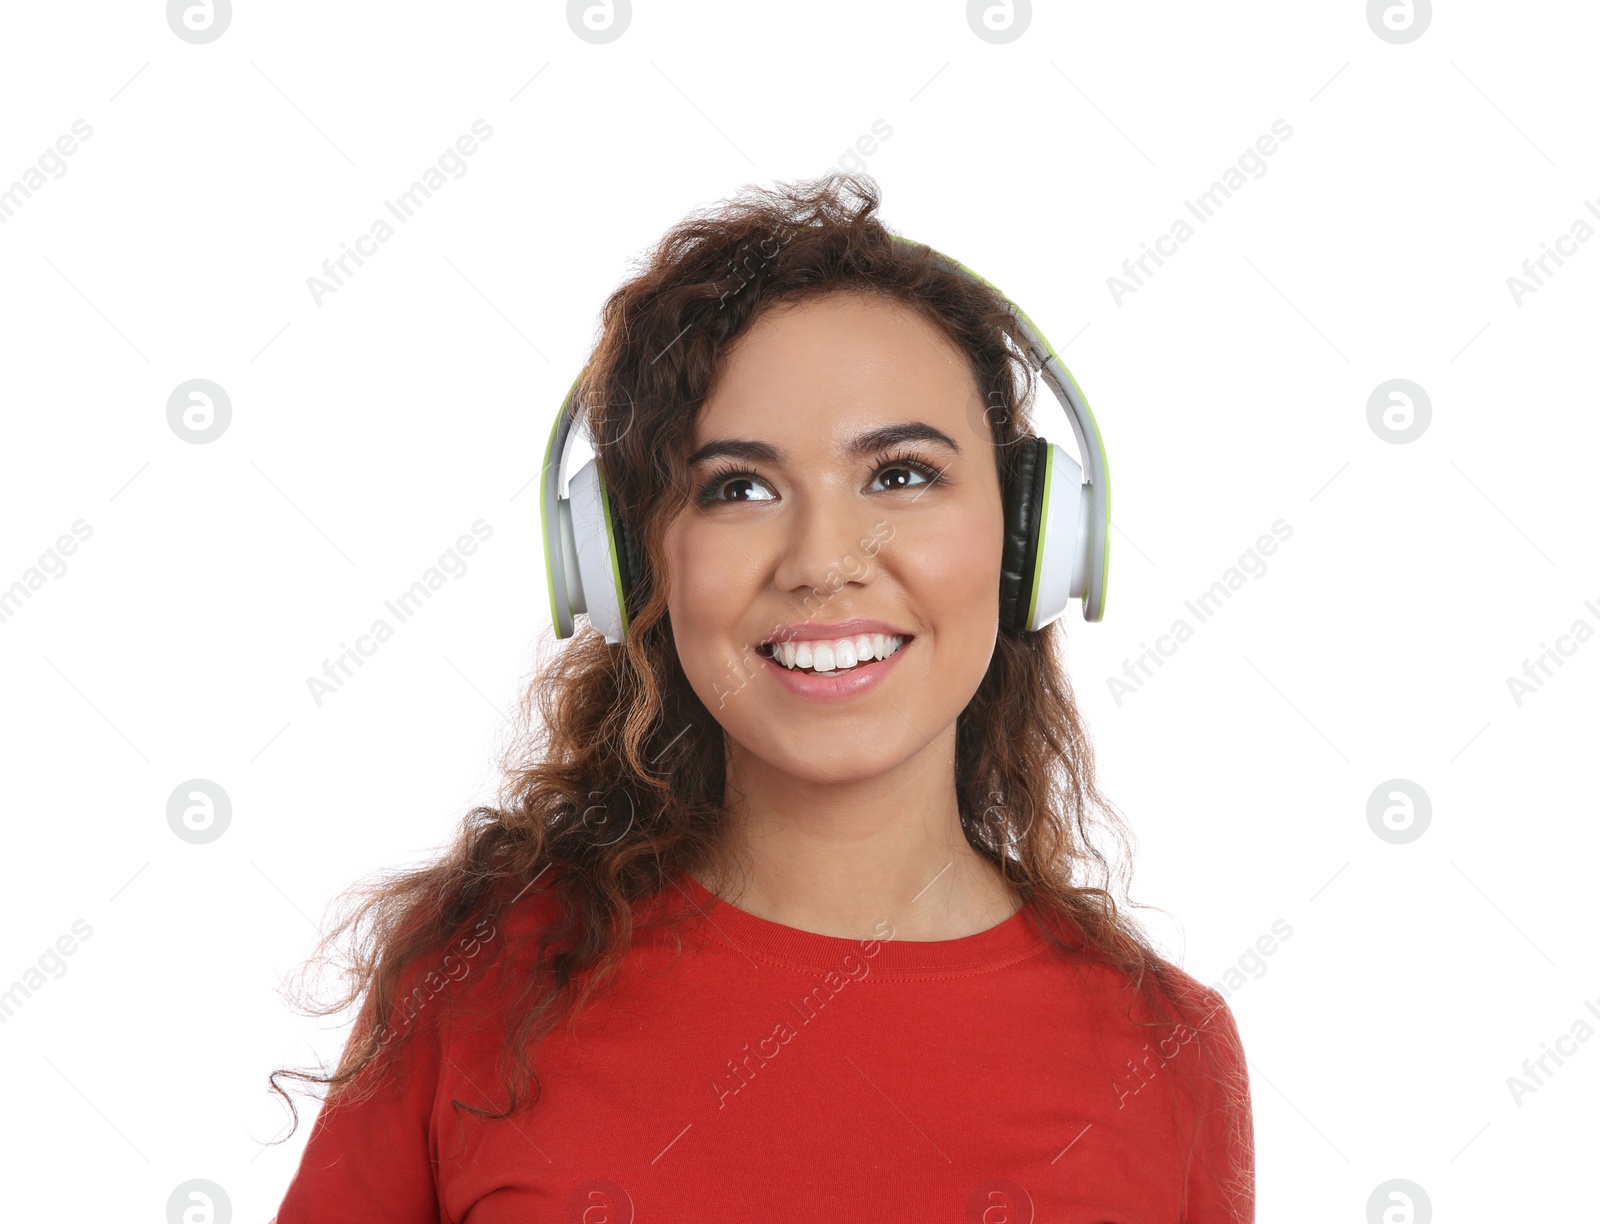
(1057, 518)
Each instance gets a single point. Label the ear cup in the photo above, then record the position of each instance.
(1020, 548)
(599, 562)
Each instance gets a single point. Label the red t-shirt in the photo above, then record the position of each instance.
(771, 1074)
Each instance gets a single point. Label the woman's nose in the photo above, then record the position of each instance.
(826, 542)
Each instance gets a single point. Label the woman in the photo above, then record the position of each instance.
(791, 909)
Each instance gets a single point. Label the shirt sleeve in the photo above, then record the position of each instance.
(1220, 1181)
(371, 1158)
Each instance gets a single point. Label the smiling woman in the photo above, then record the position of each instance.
(813, 485)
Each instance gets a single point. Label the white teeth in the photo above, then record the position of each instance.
(839, 655)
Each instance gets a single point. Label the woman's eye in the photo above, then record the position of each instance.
(744, 489)
(895, 475)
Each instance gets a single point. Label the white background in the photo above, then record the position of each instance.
(370, 431)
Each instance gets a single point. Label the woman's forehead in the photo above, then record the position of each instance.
(844, 359)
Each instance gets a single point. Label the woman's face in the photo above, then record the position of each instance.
(822, 523)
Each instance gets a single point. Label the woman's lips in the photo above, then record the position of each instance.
(836, 685)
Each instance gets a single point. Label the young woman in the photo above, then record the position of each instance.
(791, 909)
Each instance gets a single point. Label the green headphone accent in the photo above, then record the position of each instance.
(1058, 517)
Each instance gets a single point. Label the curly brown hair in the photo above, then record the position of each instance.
(612, 731)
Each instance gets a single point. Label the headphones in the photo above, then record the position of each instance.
(1057, 520)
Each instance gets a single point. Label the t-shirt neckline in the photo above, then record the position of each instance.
(1010, 940)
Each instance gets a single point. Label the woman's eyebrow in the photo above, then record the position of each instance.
(867, 443)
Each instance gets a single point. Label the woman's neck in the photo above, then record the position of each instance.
(854, 859)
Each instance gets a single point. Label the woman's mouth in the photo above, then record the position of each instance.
(834, 669)
(835, 656)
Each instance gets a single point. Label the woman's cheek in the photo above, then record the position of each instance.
(953, 560)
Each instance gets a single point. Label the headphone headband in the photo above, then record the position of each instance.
(1058, 525)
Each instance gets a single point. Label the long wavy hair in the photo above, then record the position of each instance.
(620, 732)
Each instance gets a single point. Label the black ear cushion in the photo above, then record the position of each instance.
(628, 559)
(1019, 551)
